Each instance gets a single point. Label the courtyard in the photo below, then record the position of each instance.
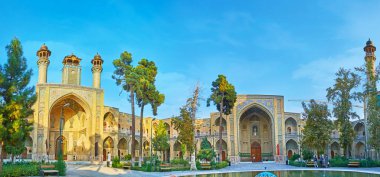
(101, 170)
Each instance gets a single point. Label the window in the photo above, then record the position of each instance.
(254, 130)
(289, 130)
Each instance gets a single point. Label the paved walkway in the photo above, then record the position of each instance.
(101, 170)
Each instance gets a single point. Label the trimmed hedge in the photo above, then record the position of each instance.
(297, 163)
(338, 162)
(214, 165)
(23, 169)
(222, 164)
(179, 162)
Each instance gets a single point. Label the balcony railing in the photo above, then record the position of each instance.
(109, 129)
(360, 138)
(292, 135)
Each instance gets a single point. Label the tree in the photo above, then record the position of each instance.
(185, 127)
(127, 77)
(369, 96)
(205, 144)
(2, 129)
(16, 100)
(185, 124)
(206, 152)
(341, 95)
(224, 97)
(318, 128)
(161, 138)
(146, 93)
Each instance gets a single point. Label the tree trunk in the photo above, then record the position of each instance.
(194, 104)
(220, 129)
(141, 135)
(1, 157)
(133, 126)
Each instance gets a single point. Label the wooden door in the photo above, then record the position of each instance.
(256, 151)
(290, 154)
(223, 155)
(332, 154)
(24, 154)
(104, 155)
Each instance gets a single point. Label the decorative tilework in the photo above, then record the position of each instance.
(268, 103)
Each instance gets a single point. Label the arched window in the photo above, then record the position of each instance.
(254, 130)
(289, 130)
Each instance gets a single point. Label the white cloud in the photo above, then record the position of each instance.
(321, 72)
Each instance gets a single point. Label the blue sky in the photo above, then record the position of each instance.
(289, 48)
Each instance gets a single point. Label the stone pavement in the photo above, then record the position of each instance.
(101, 170)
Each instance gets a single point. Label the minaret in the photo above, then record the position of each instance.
(97, 69)
(71, 72)
(43, 62)
(370, 57)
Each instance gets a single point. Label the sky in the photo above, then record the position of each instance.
(289, 48)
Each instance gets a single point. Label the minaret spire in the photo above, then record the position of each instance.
(43, 62)
(370, 57)
(97, 69)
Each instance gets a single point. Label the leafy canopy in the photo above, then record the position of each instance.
(184, 125)
(146, 92)
(341, 95)
(318, 127)
(161, 139)
(222, 93)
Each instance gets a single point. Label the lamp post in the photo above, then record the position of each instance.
(60, 130)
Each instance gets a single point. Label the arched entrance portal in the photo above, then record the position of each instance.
(108, 146)
(223, 156)
(256, 152)
(291, 147)
(72, 114)
(256, 137)
(122, 148)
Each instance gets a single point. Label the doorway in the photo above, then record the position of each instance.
(290, 154)
(256, 151)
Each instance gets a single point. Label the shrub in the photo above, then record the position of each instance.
(198, 165)
(61, 166)
(294, 157)
(179, 162)
(369, 163)
(116, 162)
(307, 154)
(213, 164)
(20, 169)
(206, 154)
(222, 164)
(338, 162)
(128, 157)
(297, 163)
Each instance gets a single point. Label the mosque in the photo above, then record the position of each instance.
(258, 126)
